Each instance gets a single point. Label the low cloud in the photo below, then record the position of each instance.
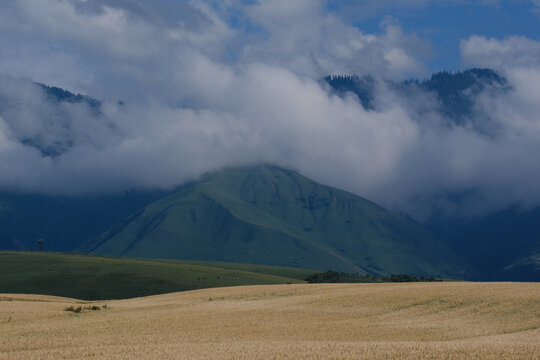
(207, 86)
(366, 9)
(510, 52)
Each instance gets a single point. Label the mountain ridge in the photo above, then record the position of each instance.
(245, 214)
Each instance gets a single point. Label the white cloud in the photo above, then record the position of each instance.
(366, 9)
(201, 93)
(536, 4)
(304, 38)
(512, 51)
(114, 48)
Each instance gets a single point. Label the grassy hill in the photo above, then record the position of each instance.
(268, 215)
(94, 277)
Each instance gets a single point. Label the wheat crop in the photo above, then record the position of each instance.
(451, 320)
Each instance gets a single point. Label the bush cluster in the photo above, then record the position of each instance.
(341, 277)
(78, 309)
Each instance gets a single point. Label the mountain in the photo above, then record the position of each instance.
(60, 95)
(45, 117)
(268, 215)
(62, 222)
(525, 269)
(361, 86)
(456, 92)
(500, 246)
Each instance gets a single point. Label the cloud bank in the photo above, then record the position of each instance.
(210, 84)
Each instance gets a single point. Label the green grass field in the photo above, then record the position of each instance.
(90, 277)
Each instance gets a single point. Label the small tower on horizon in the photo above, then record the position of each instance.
(40, 245)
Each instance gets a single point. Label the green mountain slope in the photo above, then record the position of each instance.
(93, 277)
(267, 215)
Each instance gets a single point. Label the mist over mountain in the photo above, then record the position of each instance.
(456, 93)
(206, 86)
(106, 97)
(498, 246)
(77, 145)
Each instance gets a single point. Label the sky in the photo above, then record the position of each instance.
(445, 23)
(207, 84)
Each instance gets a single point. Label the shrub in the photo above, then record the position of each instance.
(78, 309)
(74, 309)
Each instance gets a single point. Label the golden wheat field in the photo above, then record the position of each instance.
(451, 320)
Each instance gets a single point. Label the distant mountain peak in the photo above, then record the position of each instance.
(61, 95)
(456, 91)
